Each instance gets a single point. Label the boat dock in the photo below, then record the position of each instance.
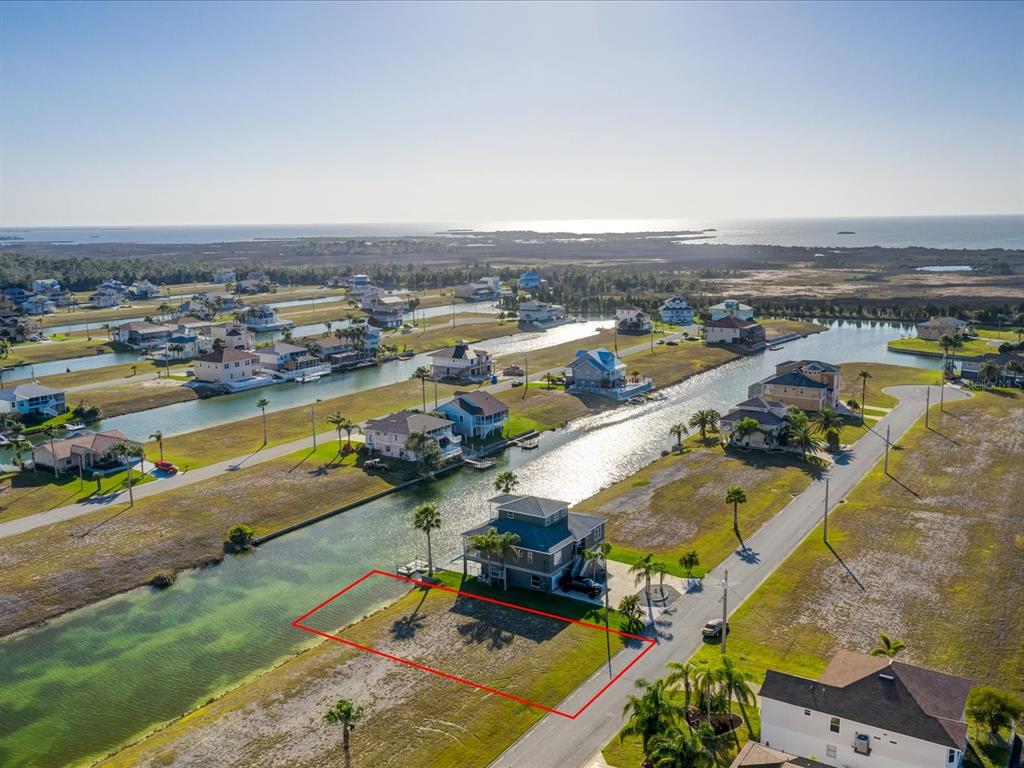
(478, 463)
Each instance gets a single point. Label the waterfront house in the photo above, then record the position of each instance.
(551, 542)
(85, 451)
(233, 335)
(476, 415)
(808, 384)
(15, 327)
(263, 319)
(368, 295)
(460, 363)
(38, 305)
(772, 424)
(530, 280)
(387, 311)
(632, 320)
(184, 343)
(731, 308)
(600, 372)
(868, 711)
(46, 285)
(143, 335)
(676, 311)
(225, 365)
(937, 327)
(1010, 367)
(106, 297)
(224, 276)
(17, 296)
(734, 330)
(540, 313)
(32, 400)
(142, 289)
(290, 361)
(484, 289)
(388, 435)
(360, 284)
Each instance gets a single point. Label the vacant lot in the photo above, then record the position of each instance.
(50, 570)
(669, 365)
(969, 348)
(413, 718)
(678, 503)
(118, 399)
(933, 554)
(42, 352)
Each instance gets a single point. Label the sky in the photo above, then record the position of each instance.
(207, 113)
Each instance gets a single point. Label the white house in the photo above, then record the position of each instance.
(868, 712)
(460, 363)
(600, 372)
(677, 311)
(143, 289)
(224, 276)
(32, 400)
(233, 335)
(46, 285)
(38, 305)
(387, 311)
(360, 284)
(632, 320)
(484, 289)
(476, 415)
(225, 365)
(86, 450)
(540, 312)
(733, 330)
(387, 436)
(142, 335)
(262, 319)
(937, 327)
(732, 308)
(772, 424)
(106, 296)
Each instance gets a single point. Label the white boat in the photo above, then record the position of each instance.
(76, 426)
(308, 379)
(637, 400)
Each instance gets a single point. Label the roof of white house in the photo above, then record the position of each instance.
(144, 327)
(675, 302)
(226, 355)
(406, 423)
(459, 352)
(730, 322)
(731, 304)
(883, 693)
(95, 442)
(280, 348)
(26, 391)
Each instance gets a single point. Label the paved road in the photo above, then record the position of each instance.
(192, 476)
(556, 742)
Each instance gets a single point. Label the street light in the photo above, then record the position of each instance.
(312, 420)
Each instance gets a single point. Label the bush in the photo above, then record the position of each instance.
(240, 537)
(163, 579)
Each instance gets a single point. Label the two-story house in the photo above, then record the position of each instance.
(290, 361)
(734, 330)
(530, 280)
(233, 335)
(677, 311)
(262, 319)
(632, 320)
(226, 365)
(106, 296)
(360, 284)
(32, 400)
(868, 712)
(600, 372)
(731, 308)
(38, 305)
(46, 285)
(143, 289)
(771, 424)
(808, 384)
(476, 415)
(142, 335)
(937, 327)
(540, 313)
(551, 541)
(388, 435)
(484, 289)
(387, 311)
(460, 363)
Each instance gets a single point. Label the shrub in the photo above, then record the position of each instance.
(163, 579)
(240, 536)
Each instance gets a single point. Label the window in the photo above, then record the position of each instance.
(951, 756)
(807, 712)
(830, 750)
(558, 558)
(833, 725)
(535, 582)
(529, 556)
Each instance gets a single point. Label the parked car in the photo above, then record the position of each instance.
(672, 343)
(714, 628)
(374, 464)
(166, 466)
(579, 584)
(517, 383)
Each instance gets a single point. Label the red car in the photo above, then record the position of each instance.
(166, 466)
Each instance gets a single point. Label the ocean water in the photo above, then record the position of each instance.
(970, 232)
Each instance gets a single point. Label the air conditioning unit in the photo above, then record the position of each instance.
(862, 744)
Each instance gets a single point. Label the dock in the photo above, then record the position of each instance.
(478, 463)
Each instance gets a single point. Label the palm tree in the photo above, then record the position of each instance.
(649, 714)
(506, 482)
(629, 607)
(494, 543)
(22, 447)
(736, 683)
(677, 431)
(52, 432)
(829, 423)
(345, 714)
(676, 748)
(599, 554)
(262, 404)
(159, 437)
(989, 371)
(337, 420)
(422, 373)
(126, 451)
(705, 681)
(803, 438)
(682, 672)
(661, 569)
(688, 562)
(864, 376)
(426, 518)
(747, 427)
(887, 646)
(705, 420)
(735, 496)
(348, 427)
(642, 571)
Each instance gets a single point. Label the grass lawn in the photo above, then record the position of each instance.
(119, 399)
(668, 365)
(413, 719)
(969, 349)
(67, 565)
(1011, 336)
(43, 352)
(541, 409)
(919, 551)
(775, 328)
(25, 493)
(106, 373)
(677, 503)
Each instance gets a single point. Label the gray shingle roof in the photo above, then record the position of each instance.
(542, 538)
(533, 505)
(25, 391)
(795, 379)
(480, 403)
(761, 417)
(406, 423)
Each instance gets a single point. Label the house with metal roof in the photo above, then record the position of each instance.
(476, 415)
(551, 540)
(868, 711)
(600, 372)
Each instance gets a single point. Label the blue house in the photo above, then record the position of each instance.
(600, 372)
(32, 400)
(551, 542)
(476, 415)
(529, 280)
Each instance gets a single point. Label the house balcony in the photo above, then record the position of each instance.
(620, 389)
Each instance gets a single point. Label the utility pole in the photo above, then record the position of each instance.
(725, 609)
(526, 373)
(312, 420)
(887, 448)
(825, 533)
(942, 393)
(927, 404)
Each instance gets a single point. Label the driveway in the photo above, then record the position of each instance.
(556, 742)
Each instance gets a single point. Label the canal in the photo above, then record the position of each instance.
(88, 681)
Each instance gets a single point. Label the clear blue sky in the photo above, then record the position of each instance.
(271, 113)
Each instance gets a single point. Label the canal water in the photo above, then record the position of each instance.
(92, 679)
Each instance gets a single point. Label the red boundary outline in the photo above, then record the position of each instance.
(649, 642)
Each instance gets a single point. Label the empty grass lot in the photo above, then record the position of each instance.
(677, 503)
(775, 328)
(970, 348)
(277, 718)
(879, 402)
(25, 493)
(43, 352)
